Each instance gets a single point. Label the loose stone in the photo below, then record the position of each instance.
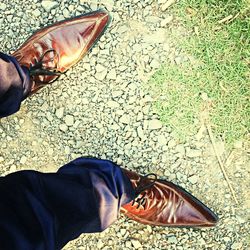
(69, 120)
(167, 4)
(49, 5)
(154, 124)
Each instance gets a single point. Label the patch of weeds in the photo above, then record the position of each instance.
(218, 65)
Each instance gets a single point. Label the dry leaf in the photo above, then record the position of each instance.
(196, 30)
(191, 11)
(225, 19)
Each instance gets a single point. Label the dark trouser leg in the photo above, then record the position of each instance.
(46, 210)
(15, 85)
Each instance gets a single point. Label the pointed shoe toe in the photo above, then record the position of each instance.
(189, 210)
(52, 50)
(163, 203)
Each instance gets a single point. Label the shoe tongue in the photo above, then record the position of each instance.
(15, 85)
(133, 177)
(50, 59)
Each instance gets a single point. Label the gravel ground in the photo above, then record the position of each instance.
(101, 108)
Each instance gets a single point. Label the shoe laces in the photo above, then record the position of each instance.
(40, 67)
(141, 188)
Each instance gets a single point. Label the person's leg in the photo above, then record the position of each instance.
(15, 85)
(46, 210)
(46, 55)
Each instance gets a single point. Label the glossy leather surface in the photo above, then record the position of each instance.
(167, 204)
(66, 43)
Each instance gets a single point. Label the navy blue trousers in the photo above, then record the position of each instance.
(15, 85)
(47, 210)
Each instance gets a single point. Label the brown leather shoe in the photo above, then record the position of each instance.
(162, 203)
(53, 50)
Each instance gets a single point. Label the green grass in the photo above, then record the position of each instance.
(219, 67)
